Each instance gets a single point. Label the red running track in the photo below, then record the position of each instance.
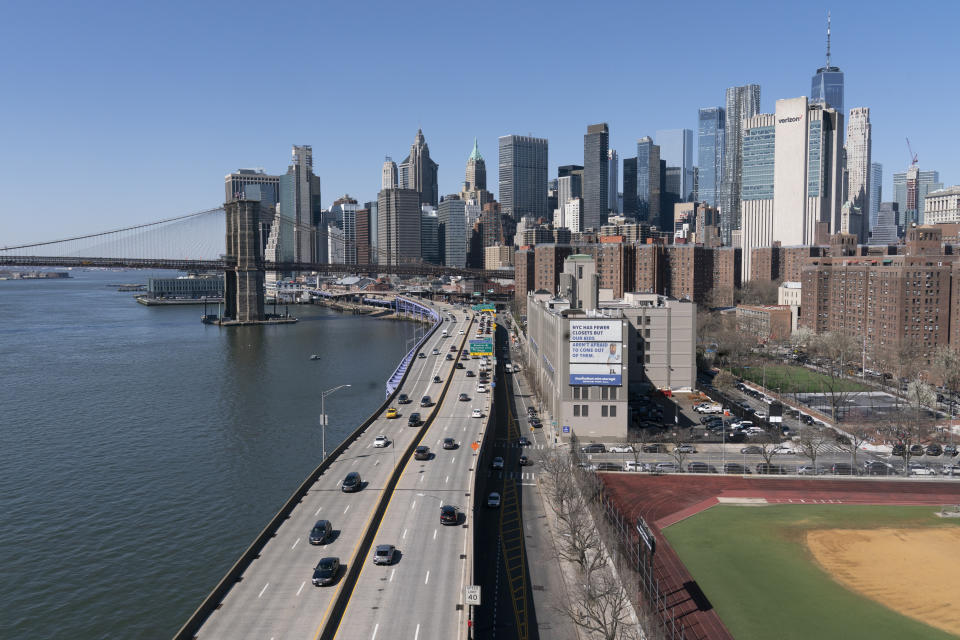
(665, 500)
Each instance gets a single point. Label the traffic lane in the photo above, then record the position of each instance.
(250, 609)
(411, 523)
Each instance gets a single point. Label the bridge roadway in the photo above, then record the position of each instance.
(419, 597)
(275, 597)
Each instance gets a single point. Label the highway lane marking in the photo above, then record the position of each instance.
(417, 633)
(347, 509)
(375, 627)
(413, 504)
(404, 536)
(434, 535)
(264, 589)
(452, 459)
(295, 544)
(427, 579)
(447, 479)
(421, 478)
(392, 571)
(376, 462)
(318, 511)
(301, 587)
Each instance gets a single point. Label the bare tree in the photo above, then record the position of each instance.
(581, 537)
(813, 441)
(768, 444)
(757, 292)
(680, 450)
(857, 436)
(838, 349)
(725, 381)
(599, 605)
(946, 366)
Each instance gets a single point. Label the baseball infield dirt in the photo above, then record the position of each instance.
(912, 571)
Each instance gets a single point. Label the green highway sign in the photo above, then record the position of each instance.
(482, 347)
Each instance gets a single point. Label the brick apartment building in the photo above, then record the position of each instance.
(766, 322)
(891, 301)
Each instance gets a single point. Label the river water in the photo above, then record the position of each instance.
(142, 451)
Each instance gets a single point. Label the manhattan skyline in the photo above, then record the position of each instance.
(131, 124)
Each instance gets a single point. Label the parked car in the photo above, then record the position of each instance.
(916, 450)
(808, 470)
(768, 469)
(384, 554)
(949, 449)
(921, 470)
(842, 469)
(700, 467)
(609, 466)
(934, 449)
(685, 448)
(733, 467)
(898, 450)
(751, 449)
(595, 447)
(325, 573)
(620, 448)
(876, 468)
(654, 448)
(666, 467)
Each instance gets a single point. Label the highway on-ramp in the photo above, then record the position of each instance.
(275, 598)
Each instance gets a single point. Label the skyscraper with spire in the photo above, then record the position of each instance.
(827, 83)
(419, 172)
(475, 179)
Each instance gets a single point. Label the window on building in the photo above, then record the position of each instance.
(576, 393)
(613, 411)
(576, 411)
(603, 393)
(603, 411)
(646, 358)
(586, 393)
(613, 393)
(646, 333)
(584, 412)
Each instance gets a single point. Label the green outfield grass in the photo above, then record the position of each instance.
(790, 379)
(754, 567)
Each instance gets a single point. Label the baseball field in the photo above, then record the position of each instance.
(826, 571)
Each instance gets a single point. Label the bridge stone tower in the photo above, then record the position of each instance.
(244, 274)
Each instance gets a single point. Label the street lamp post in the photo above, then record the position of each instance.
(323, 417)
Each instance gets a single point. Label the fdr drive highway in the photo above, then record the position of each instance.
(421, 594)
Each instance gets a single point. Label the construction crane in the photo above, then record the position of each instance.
(913, 156)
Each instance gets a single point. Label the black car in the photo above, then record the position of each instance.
(403, 399)
(524, 442)
(898, 450)
(421, 453)
(459, 365)
(321, 532)
(426, 401)
(699, 467)
(351, 483)
(733, 467)
(876, 468)
(594, 448)
(654, 448)
(325, 573)
(916, 450)
(842, 469)
(934, 449)
(752, 449)
(449, 443)
(414, 420)
(470, 373)
(449, 514)
(437, 379)
(524, 461)
(806, 419)
(609, 466)
(463, 397)
(771, 469)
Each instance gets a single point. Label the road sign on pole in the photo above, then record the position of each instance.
(473, 594)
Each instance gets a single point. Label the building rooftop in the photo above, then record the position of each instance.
(791, 285)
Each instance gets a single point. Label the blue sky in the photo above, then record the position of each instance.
(117, 113)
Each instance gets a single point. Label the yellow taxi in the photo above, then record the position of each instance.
(392, 413)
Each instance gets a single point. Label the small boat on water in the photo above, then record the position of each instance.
(314, 357)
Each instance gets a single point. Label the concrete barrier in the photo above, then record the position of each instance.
(332, 622)
(213, 600)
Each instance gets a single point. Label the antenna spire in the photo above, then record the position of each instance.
(828, 40)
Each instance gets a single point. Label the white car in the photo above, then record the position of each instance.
(461, 331)
(767, 399)
(380, 441)
(625, 448)
(435, 352)
(782, 451)
(920, 470)
(476, 413)
(481, 388)
(762, 415)
(493, 500)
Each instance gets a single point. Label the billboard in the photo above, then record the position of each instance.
(596, 375)
(482, 347)
(596, 352)
(595, 331)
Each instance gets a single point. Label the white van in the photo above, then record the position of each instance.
(444, 333)
(508, 368)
